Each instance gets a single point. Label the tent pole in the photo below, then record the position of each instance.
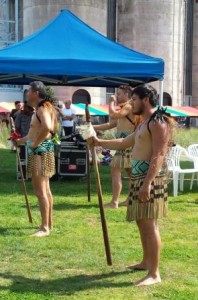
(161, 87)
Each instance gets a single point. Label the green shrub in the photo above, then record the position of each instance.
(186, 137)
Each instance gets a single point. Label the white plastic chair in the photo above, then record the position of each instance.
(193, 153)
(173, 163)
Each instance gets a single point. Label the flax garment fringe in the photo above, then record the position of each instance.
(156, 208)
(122, 159)
(44, 162)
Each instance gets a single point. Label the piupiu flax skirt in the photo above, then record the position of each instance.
(156, 208)
(122, 159)
(41, 164)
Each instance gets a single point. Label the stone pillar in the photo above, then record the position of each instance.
(195, 57)
(156, 28)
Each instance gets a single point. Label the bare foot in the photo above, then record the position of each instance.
(41, 232)
(138, 267)
(124, 203)
(148, 280)
(111, 205)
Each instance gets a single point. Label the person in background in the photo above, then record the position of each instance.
(23, 119)
(67, 115)
(125, 122)
(18, 107)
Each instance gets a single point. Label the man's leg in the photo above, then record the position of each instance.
(143, 265)
(116, 187)
(40, 184)
(50, 199)
(128, 171)
(151, 246)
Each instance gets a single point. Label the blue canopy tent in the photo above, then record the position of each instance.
(68, 52)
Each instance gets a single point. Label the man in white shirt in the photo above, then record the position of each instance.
(67, 114)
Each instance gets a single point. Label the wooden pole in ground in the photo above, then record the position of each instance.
(24, 187)
(100, 200)
(12, 126)
(88, 174)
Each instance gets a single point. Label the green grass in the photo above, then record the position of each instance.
(186, 137)
(4, 134)
(70, 263)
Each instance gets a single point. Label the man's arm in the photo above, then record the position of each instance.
(116, 144)
(105, 126)
(123, 112)
(159, 136)
(45, 128)
(17, 123)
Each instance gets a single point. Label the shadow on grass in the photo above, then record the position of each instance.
(12, 230)
(68, 285)
(72, 206)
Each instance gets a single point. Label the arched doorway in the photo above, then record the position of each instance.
(81, 96)
(167, 99)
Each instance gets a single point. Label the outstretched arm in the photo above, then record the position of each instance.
(116, 144)
(105, 126)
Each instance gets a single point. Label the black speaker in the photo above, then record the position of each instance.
(72, 162)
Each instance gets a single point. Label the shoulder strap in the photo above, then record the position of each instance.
(38, 118)
(130, 120)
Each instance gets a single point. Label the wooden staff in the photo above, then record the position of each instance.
(24, 187)
(88, 174)
(100, 199)
(22, 177)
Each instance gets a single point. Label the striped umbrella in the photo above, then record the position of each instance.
(103, 110)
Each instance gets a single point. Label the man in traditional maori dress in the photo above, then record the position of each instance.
(41, 165)
(125, 122)
(148, 195)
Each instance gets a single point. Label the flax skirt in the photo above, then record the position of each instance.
(156, 208)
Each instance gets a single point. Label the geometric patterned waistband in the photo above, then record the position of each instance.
(45, 146)
(140, 167)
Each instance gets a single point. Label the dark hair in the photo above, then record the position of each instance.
(127, 89)
(144, 91)
(17, 102)
(38, 86)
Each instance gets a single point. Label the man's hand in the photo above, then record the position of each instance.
(33, 146)
(16, 142)
(112, 99)
(93, 142)
(144, 193)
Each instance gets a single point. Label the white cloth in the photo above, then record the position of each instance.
(87, 131)
(68, 112)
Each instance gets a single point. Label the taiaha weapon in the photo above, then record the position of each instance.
(22, 179)
(88, 163)
(88, 175)
(100, 198)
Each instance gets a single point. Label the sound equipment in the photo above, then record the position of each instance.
(72, 162)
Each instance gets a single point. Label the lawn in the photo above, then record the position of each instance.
(70, 263)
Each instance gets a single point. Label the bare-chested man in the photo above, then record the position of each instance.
(125, 122)
(40, 147)
(148, 196)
